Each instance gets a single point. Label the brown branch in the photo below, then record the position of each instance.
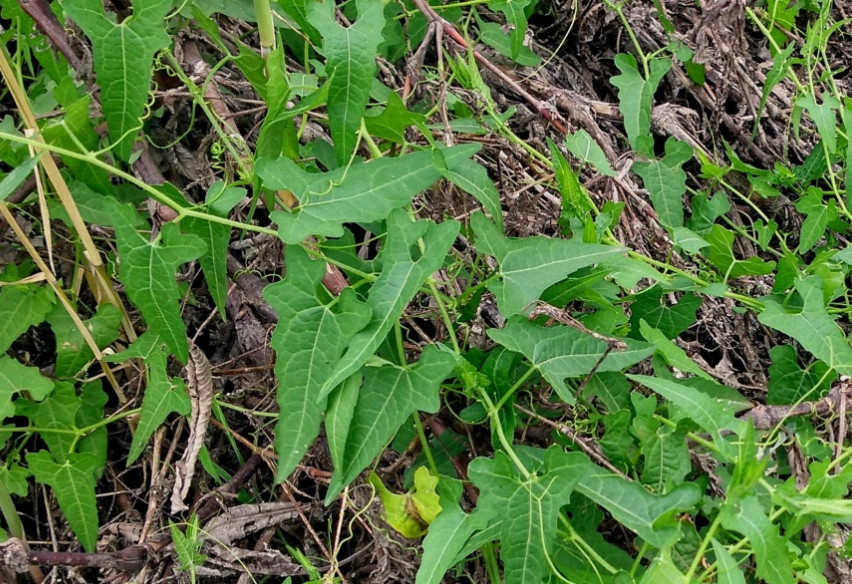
(767, 417)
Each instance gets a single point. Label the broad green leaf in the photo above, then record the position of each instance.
(350, 54)
(390, 395)
(716, 416)
(636, 94)
(163, 395)
(666, 182)
(652, 517)
(706, 210)
(528, 507)
(73, 483)
(688, 240)
(22, 306)
(15, 378)
(312, 332)
(653, 307)
(216, 237)
(124, 57)
(769, 547)
(728, 571)
(148, 271)
(17, 176)
(665, 452)
(528, 266)
(789, 383)
(338, 415)
(583, 146)
(446, 538)
(393, 120)
(812, 326)
(494, 35)
(575, 201)
(411, 513)
(516, 18)
(823, 116)
(561, 351)
(472, 178)
(721, 255)
(72, 351)
(57, 412)
(362, 192)
(404, 269)
(663, 571)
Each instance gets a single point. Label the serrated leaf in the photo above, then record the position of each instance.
(350, 54)
(72, 351)
(404, 269)
(163, 395)
(216, 237)
(124, 57)
(528, 507)
(309, 339)
(15, 378)
(529, 265)
(812, 327)
(73, 483)
(716, 416)
(362, 192)
(22, 306)
(583, 146)
(652, 517)
(666, 182)
(148, 271)
(770, 549)
(516, 18)
(474, 180)
(560, 352)
(390, 395)
(789, 383)
(636, 94)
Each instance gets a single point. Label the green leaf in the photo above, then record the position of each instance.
(17, 176)
(769, 547)
(351, 65)
(216, 236)
(338, 415)
(73, 483)
(823, 116)
(163, 395)
(671, 352)
(818, 216)
(528, 507)
(493, 35)
(812, 327)
(666, 181)
(473, 179)
(72, 351)
(652, 307)
(729, 571)
(15, 378)
(362, 193)
(516, 18)
(663, 571)
(706, 210)
(789, 383)
(309, 339)
(665, 452)
(583, 146)
(22, 306)
(561, 351)
(713, 415)
(390, 395)
(636, 94)
(404, 269)
(446, 537)
(528, 266)
(124, 56)
(721, 255)
(57, 412)
(652, 517)
(391, 123)
(148, 271)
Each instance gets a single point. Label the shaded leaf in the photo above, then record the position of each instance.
(652, 307)
(561, 351)
(22, 306)
(516, 18)
(310, 337)
(16, 377)
(72, 351)
(666, 181)
(721, 255)
(362, 192)
(789, 383)
(474, 180)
